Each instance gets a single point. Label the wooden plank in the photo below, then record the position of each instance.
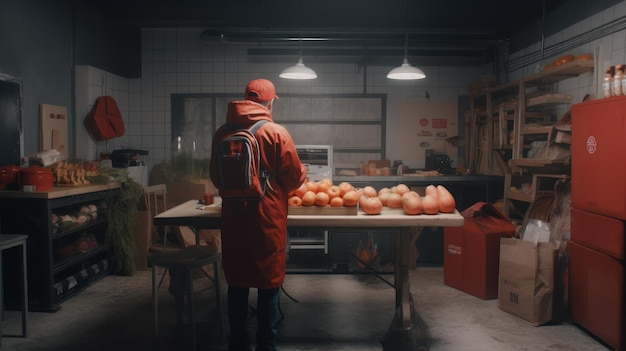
(323, 210)
(54, 128)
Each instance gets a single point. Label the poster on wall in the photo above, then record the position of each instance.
(53, 128)
(429, 126)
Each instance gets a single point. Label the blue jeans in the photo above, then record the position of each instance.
(267, 307)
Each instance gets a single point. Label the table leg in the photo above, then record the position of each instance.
(24, 288)
(1, 297)
(405, 239)
(408, 331)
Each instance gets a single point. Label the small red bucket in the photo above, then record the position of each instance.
(40, 178)
(9, 177)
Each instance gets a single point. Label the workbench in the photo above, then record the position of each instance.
(405, 228)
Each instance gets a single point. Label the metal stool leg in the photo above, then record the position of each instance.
(190, 306)
(155, 308)
(218, 301)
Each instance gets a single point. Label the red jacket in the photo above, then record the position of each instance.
(254, 235)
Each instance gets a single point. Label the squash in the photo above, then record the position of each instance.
(370, 204)
(430, 204)
(412, 203)
(394, 200)
(447, 204)
(432, 191)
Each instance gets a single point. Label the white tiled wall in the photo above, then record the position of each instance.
(92, 83)
(191, 67)
(176, 61)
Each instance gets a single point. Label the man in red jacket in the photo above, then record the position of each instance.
(254, 233)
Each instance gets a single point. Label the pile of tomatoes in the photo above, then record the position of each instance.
(324, 192)
(436, 199)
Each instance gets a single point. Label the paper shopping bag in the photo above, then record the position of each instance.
(526, 279)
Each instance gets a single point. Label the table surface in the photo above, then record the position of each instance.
(194, 213)
(58, 191)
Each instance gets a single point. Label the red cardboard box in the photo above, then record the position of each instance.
(472, 252)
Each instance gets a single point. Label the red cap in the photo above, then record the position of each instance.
(260, 90)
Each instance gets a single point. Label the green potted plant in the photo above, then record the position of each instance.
(121, 217)
(187, 177)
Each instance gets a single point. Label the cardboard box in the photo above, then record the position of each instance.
(143, 227)
(472, 252)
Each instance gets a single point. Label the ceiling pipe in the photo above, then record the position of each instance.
(428, 47)
(394, 39)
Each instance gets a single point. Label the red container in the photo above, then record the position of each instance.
(472, 252)
(598, 167)
(600, 233)
(9, 177)
(40, 177)
(209, 198)
(597, 293)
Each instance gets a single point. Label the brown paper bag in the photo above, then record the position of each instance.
(526, 279)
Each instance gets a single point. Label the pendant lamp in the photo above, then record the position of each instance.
(406, 72)
(298, 71)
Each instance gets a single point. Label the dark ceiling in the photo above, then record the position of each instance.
(437, 31)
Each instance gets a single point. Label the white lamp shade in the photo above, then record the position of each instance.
(298, 71)
(406, 72)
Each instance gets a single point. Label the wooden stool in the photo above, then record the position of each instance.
(183, 262)
(8, 241)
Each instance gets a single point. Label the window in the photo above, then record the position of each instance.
(354, 124)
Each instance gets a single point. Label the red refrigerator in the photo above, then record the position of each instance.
(598, 219)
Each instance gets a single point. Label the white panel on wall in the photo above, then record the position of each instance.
(428, 125)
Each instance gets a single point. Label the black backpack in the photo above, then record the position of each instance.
(241, 176)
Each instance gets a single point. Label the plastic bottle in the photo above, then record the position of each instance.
(617, 80)
(607, 85)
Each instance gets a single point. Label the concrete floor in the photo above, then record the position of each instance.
(331, 312)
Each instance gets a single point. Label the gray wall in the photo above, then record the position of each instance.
(38, 46)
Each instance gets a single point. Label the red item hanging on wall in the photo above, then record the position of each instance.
(104, 121)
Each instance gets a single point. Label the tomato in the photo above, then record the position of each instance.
(336, 202)
(295, 201)
(334, 191)
(308, 199)
(351, 198)
(344, 187)
(321, 199)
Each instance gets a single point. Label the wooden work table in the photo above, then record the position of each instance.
(58, 191)
(406, 228)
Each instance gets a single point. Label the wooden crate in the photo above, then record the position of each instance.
(323, 210)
